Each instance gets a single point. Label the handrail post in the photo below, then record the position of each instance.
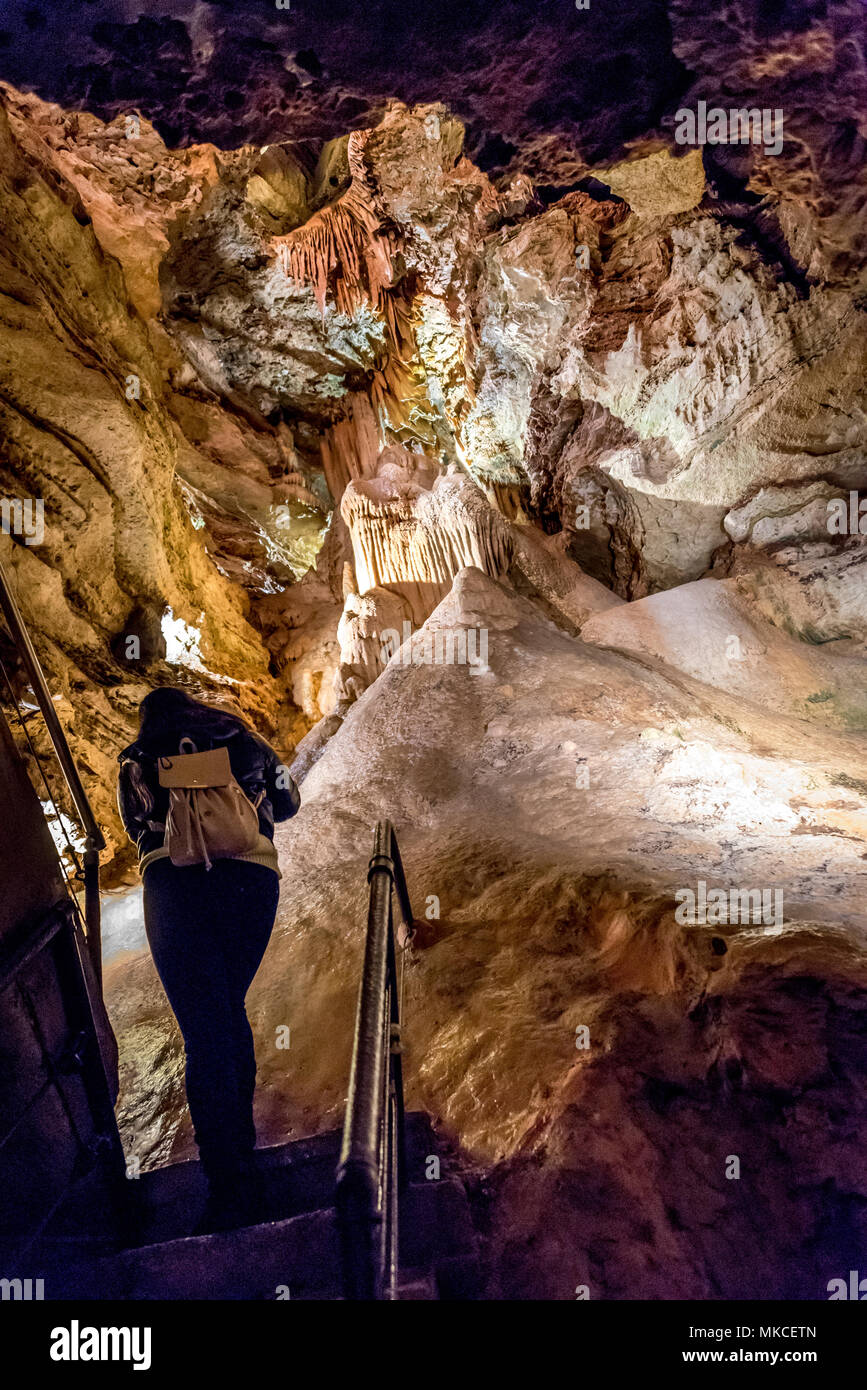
(397, 1063)
(357, 1203)
(358, 1197)
(371, 1174)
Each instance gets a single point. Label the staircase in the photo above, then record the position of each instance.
(294, 1250)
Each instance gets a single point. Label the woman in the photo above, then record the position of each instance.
(208, 925)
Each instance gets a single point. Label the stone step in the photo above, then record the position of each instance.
(435, 1223)
(168, 1203)
(293, 1247)
(296, 1259)
(459, 1278)
(298, 1255)
(437, 1233)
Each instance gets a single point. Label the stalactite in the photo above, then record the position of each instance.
(345, 245)
(350, 248)
(508, 499)
(413, 538)
(350, 448)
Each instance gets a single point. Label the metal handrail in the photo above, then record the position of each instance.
(371, 1174)
(94, 840)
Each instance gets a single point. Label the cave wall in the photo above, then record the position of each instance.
(469, 342)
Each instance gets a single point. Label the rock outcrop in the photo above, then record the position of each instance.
(87, 437)
(711, 632)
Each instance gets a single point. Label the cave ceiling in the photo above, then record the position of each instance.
(543, 89)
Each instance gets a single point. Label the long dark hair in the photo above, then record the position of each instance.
(168, 714)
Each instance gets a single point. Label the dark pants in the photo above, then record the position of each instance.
(208, 930)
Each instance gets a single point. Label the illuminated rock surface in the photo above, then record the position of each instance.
(480, 442)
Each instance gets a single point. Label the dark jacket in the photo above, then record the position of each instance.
(143, 803)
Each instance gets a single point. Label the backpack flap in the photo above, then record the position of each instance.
(211, 769)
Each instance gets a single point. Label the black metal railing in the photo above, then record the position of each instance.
(94, 840)
(371, 1175)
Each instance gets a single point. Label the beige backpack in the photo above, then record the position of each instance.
(209, 816)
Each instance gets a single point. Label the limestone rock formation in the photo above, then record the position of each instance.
(710, 631)
(414, 389)
(88, 436)
(414, 538)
